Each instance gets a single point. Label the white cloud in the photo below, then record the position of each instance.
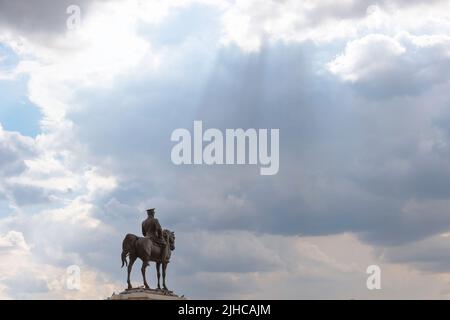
(367, 58)
(24, 276)
(250, 24)
(13, 240)
(386, 65)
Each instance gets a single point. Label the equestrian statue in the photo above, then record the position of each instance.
(156, 245)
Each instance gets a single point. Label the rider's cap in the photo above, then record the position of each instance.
(151, 210)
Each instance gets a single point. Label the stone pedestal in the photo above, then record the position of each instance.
(145, 294)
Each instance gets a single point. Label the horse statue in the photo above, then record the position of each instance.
(143, 248)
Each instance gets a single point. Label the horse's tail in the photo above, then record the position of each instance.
(127, 247)
(124, 258)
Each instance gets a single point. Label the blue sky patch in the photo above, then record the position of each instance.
(17, 113)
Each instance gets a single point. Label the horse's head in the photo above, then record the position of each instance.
(171, 235)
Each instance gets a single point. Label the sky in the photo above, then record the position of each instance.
(358, 90)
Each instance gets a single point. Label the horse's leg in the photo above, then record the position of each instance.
(144, 265)
(158, 267)
(164, 266)
(130, 266)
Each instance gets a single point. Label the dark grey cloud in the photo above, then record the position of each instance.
(24, 285)
(340, 153)
(39, 17)
(28, 195)
(231, 252)
(429, 255)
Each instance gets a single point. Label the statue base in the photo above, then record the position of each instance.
(146, 294)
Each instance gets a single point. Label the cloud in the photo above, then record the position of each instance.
(25, 276)
(250, 24)
(13, 240)
(39, 17)
(311, 267)
(15, 149)
(340, 168)
(429, 255)
(382, 66)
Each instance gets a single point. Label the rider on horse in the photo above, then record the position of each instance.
(152, 229)
(156, 246)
